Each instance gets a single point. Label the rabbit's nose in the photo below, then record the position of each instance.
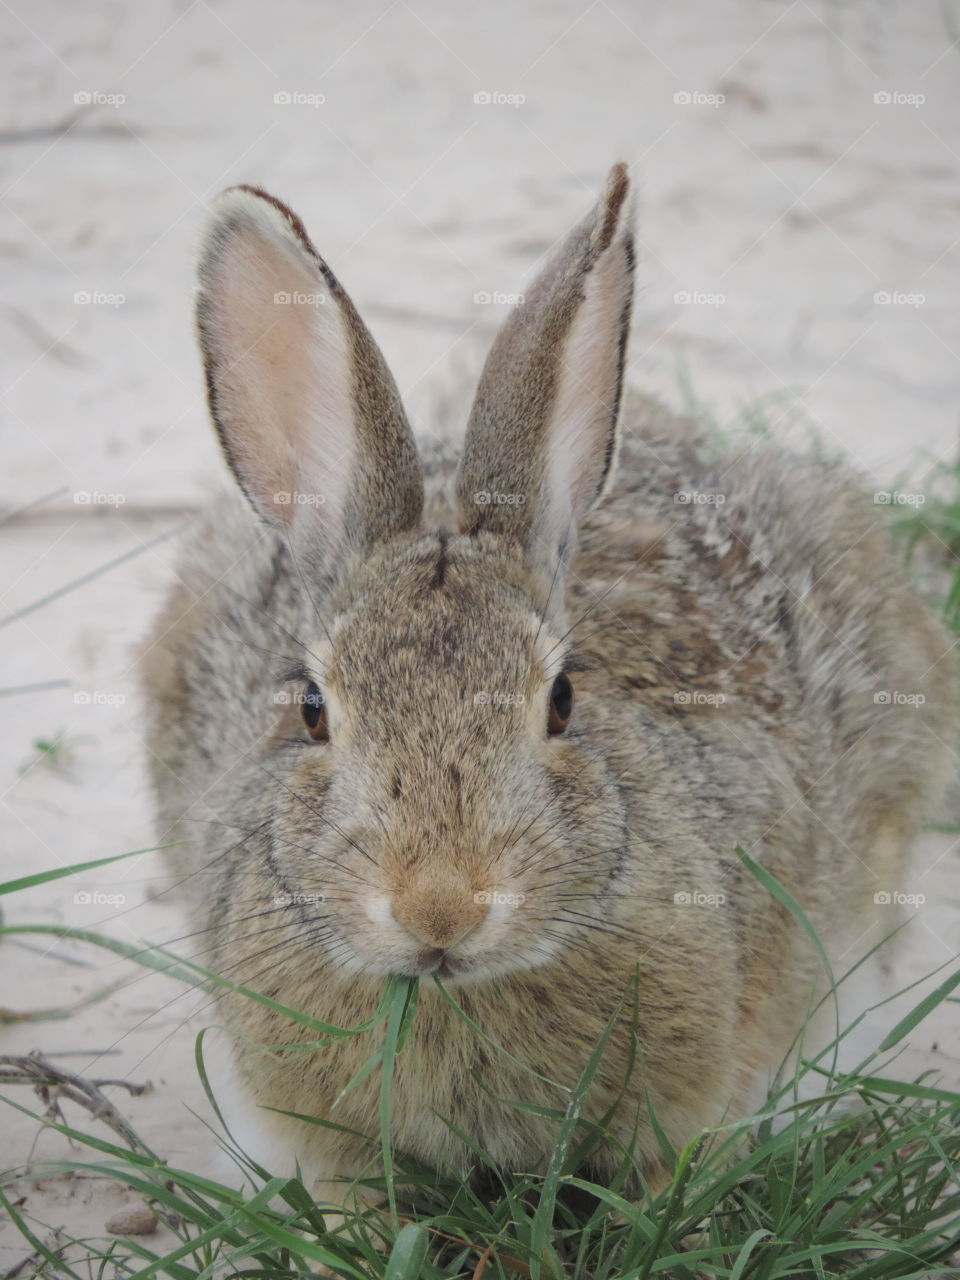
(437, 917)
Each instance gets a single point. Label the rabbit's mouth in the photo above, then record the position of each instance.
(436, 962)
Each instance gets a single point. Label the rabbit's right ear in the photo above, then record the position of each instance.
(542, 436)
(306, 410)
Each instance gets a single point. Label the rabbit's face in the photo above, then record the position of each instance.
(456, 819)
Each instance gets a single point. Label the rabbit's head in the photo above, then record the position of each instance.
(435, 804)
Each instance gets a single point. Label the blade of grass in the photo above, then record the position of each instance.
(155, 957)
(919, 1012)
(543, 1217)
(403, 997)
(408, 1254)
(43, 877)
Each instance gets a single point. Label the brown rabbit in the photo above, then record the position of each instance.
(519, 752)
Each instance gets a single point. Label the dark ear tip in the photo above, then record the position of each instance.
(612, 203)
(290, 218)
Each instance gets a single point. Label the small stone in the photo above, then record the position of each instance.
(135, 1221)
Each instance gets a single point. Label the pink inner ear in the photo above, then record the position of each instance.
(582, 418)
(282, 368)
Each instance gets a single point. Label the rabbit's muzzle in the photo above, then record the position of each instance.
(436, 913)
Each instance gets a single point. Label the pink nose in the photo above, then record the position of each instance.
(440, 916)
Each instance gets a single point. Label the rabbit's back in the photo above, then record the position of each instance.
(792, 688)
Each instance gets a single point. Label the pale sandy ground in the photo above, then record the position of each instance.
(798, 200)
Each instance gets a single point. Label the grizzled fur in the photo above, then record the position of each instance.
(724, 656)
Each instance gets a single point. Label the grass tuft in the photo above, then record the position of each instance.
(859, 1180)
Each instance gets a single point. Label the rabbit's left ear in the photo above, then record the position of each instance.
(541, 441)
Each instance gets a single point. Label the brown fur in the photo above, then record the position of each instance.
(316, 869)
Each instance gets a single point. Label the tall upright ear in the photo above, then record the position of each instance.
(541, 440)
(307, 412)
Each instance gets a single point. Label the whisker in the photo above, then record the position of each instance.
(253, 604)
(308, 593)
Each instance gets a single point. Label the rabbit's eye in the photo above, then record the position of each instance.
(315, 713)
(561, 704)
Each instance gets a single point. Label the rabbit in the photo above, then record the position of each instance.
(506, 723)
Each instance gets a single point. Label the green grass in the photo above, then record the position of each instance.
(54, 752)
(779, 414)
(930, 536)
(861, 1180)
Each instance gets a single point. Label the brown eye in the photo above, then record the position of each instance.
(315, 713)
(561, 704)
